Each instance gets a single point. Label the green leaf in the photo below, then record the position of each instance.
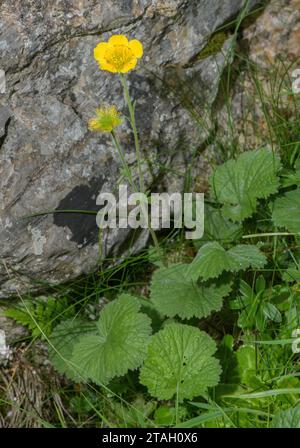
(135, 415)
(291, 275)
(173, 293)
(291, 177)
(165, 416)
(289, 418)
(271, 312)
(180, 362)
(237, 184)
(62, 342)
(41, 315)
(118, 345)
(260, 284)
(286, 211)
(218, 228)
(227, 358)
(212, 259)
(246, 366)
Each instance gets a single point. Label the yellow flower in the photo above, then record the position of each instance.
(107, 118)
(118, 55)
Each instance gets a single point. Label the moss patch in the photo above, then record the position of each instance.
(214, 45)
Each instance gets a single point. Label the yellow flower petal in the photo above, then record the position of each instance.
(106, 120)
(100, 50)
(136, 48)
(118, 39)
(128, 66)
(118, 55)
(108, 67)
(92, 124)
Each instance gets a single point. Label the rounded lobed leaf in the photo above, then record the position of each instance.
(62, 341)
(173, 294)
(118, 345)
(219, 228)
(212, 259)
(180, 362)
(237, 184)
(286, 211)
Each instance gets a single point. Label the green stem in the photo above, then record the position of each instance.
(155, 241)
(129, 177)
(137, 150)
(123, 161)
(100, 254)
(134, 129)
(259, 235)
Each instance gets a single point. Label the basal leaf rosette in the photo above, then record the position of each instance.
(119, 343)
(180, 363)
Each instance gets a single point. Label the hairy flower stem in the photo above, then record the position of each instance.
(126, 169)
(128, 175)
(138, 153)
(134, 129)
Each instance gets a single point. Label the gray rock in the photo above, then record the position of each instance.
(48, 158)
(10, 333)
(2, 81)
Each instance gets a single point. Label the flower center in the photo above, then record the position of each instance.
(119, 56)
